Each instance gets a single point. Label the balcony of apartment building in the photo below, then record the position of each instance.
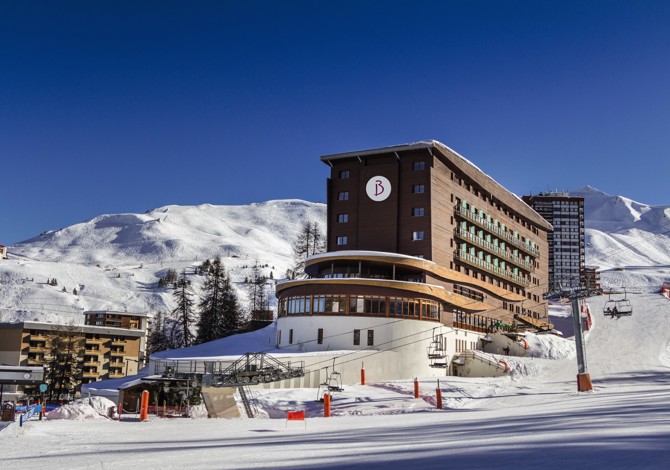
(91, 361)
(485, 222)
(95, 340)
(35, 360)
(477, 240)
(90, 372)
(118, 341)
(115, 373)
(37, 335)
(37, 347)
(117, 352)
(499, 271)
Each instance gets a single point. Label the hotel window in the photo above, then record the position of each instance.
(343, 218)
(417, 212)
(419, 166)
(357, 337)
(344, 174)
(418, 188)
(371, 337)
(319, 336)
(290, 336)
(343, 196)
(417, 236)
(342, 240)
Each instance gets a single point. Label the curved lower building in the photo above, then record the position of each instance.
(423, 248)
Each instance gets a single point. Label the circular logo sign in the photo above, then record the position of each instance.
(378, 188)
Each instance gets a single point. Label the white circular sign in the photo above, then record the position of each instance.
(378, 188)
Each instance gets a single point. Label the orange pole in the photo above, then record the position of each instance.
(120, 410)
(416, 388)
(362, 376)
(144, 406)
(326, 405)
(438, 396)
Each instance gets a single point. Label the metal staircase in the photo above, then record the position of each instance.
(249, 406)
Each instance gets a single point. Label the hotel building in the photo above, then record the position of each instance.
(416, 233)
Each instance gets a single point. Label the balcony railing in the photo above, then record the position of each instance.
(482, 222)
(118, 353)
(486, 266)
(95, 340)
(89, 374)
(464, 234)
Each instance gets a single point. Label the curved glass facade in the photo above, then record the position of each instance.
(363, 305)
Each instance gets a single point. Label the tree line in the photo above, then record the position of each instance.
(215, 315)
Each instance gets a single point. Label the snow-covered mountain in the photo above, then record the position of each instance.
(628, 240)
(114, 261)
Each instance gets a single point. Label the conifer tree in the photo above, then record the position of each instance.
(219, 310)
(181, 336)
(310, 241)
(256, 289)
(158, 339)
(65, 359)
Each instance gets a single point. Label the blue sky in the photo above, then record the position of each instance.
(124, 106)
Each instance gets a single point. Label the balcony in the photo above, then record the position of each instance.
(89, 374)
(37, 349)
(490, 247)
(116, 375)
(38, 337)
(119, 342)
(485, 224)
(95, 340)
(118, 353)
(92, 363)
(35, 362)
(495, 270)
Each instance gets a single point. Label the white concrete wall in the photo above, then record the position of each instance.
(502, 344)
(399, 350)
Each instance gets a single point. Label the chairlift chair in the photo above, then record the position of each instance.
(436, 352)
(616, 308)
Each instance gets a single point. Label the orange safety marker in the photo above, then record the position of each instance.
(438, 396)
(326, 405)
(144, 406)
(416, 388)
(363, 376)
(295, 416)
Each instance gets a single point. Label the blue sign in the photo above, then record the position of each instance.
(43, 387)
